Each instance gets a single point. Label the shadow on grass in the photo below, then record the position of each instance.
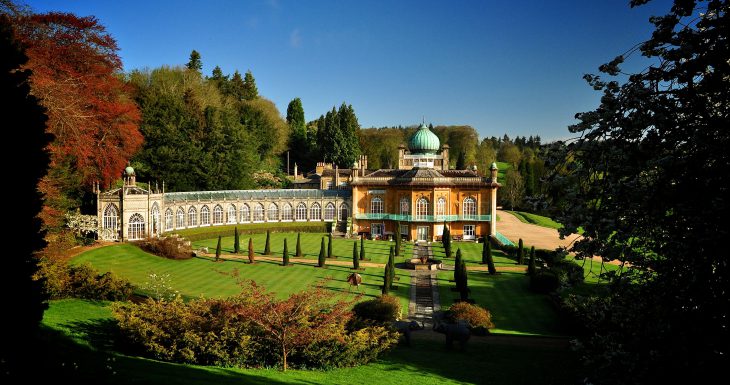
(63, 360)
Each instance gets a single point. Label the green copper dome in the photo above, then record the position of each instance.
(424, 142)
(129, 170)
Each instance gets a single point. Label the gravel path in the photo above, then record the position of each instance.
(533, 235)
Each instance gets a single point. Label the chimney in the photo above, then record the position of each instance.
(296, 176)
(445, 156)
(337, 177)
(320, 168)
(493, 172)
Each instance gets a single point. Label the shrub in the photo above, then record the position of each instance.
(62, 281)
(381, 310)
(544, 281)
(202, 233)
(167, 247)
(479, 318)
(569, 272)
(253, 329)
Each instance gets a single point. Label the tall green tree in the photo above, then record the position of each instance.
(218, 250)
(267, 246)
(236, 88)
(463, 284)
(285, 255)
(461, 161)
(322, 259)
(520, 252)
(487, 256)
(251, 255)
(194, 63)
(446, 240)
(362, 247)
(299, 246)
(650, 178)
(337, 135)
(329, 245)
(355, 257)
(250, 91)
(514, 188)
(295, 116)
(236, 241)
(397, 240)
(391, 264)
(531, 262)
(23, 114)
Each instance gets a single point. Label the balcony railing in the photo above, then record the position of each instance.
(424, 218)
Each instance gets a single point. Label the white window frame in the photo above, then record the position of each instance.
(272, 214)
(205, 216)
(376, 205)
(315, 212)
(287, 212)
(301, 213)
(217, 215)
(329, 211)
(168, 219)
(422, 207)
(245, 213)
(180, 218)
(136, 229)
(192, 216)
(258, 213)
(231, 214)
(469, 208)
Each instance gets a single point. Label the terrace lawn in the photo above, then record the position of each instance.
(203, 277)
(515, 309)
(471, 252)
(78, 335)
(375, 251)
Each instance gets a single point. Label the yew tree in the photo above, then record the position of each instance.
(649, 176)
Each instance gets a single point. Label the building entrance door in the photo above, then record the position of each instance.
(422, 233)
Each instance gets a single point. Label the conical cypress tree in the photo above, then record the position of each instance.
(457, 268)
(391, 265)
(251, 258)
(447, 242)
(397, 240)
(490, 260)
(329, 245)
(218, 250)
(362, 247)
(463, 282)
(267, 247)
(485, 240)
(387, 281)
(531, 262)
(321, 259)
(285, 256)
(299, 246)
(520, 253)
(355, 258)
(236, 241)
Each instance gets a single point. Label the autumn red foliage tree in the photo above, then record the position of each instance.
(302, 319)
(76, 75)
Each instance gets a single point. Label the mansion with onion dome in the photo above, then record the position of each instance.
(414, 201)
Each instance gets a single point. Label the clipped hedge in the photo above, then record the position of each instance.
(201, 233)
(544, 281)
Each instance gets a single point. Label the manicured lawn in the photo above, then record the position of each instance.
(535, 219)
(375, 251)
(76, 358)
(201, 276)
(471, 252)
(515, 310)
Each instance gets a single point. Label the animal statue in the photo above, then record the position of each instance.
(458, 331)
(354, 279)
(405, 328)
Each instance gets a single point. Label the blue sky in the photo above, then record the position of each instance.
(510, 67)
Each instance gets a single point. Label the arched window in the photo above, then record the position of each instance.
(192, 216)
(315, 212)
(231, 214)
(376, 205)
(344, 212)
(286, 212)
(329, 212)
(470, 208)
(421, 208)
(136, 227)
(258, 212)
(204, 216)
(405, 206)
(273, 214)
(168, 219)
(441, 206)
(180, 218)
(301, 212)
(155, 218)
(245, 213)
(217, 215)
(110, 221)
